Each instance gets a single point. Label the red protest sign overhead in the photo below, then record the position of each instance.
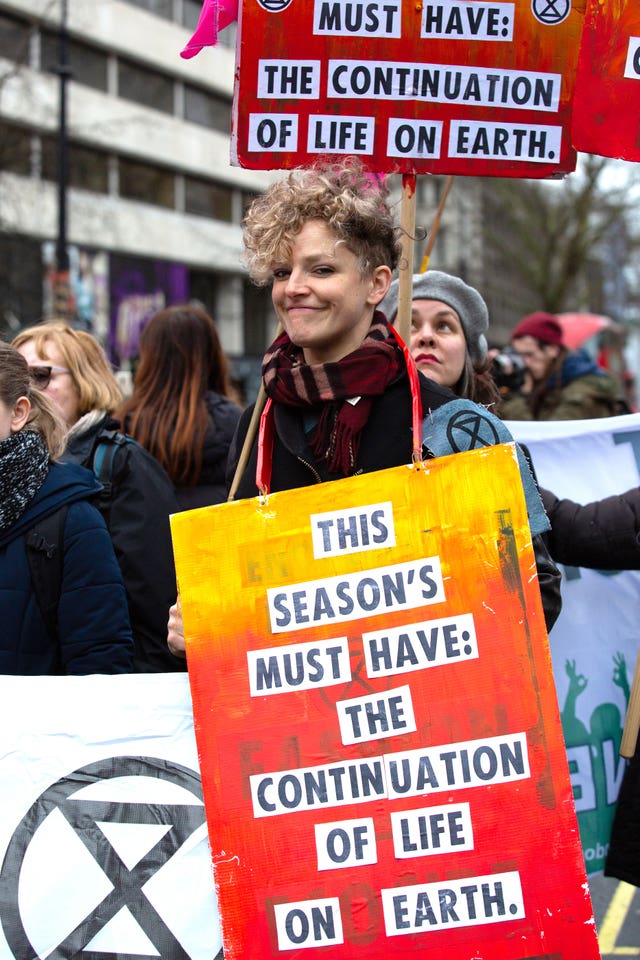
(607, 99)
(382, 760)
(453, 87)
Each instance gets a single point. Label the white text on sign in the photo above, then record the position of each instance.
(376, 716)
(298, 666)
(352, 530)
(420, 908)
(457, 20)
(429, 830)
(345, 843)
(411, 773)
(357, 18)
(365, 593)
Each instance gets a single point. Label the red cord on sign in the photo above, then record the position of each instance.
(265, 450)
(416, 399)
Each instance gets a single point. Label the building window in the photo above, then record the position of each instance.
(147, 87)
(88, 168)
(161, 8)
(138, 181)
(88, 64)
(205, 108)
(14, 39)
(15, 149)
(207, 199)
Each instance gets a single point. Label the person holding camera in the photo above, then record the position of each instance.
(558, 384)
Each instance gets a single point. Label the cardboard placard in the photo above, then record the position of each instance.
(607, 99)
(452, 87)
(380, 746)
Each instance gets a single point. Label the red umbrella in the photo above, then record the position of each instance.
(578, 327)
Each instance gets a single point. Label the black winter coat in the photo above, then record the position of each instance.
(137, 516)
(93, 630)
(386, 441)
(212, 486)
(602, 535)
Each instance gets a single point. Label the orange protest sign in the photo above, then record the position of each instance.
(453, 87)
(607, 98)
(381, 752)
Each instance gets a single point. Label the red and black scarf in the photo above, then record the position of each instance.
(343, 390)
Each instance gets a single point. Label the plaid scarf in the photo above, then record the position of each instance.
(24, 465)
(343, 390)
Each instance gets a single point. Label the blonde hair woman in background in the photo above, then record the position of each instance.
(90, 632)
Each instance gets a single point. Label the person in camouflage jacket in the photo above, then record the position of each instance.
(560, 384)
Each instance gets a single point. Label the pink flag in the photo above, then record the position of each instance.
(214, 16)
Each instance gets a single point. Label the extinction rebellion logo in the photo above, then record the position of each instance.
(551, 12)
(274, 6)
(110, 847)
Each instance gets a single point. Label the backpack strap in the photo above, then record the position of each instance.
(106, 447)
(45, 555)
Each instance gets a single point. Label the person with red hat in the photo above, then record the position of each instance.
(560, 384)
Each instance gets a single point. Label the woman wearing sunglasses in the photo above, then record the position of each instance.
(71, 368)
(90, 632)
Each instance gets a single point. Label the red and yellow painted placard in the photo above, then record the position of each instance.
(606, 118)
(381, 752)
(471, 87)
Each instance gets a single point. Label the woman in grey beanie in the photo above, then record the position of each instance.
(449, 320)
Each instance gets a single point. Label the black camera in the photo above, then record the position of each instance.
(508, 369)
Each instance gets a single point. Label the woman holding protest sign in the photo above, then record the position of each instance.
(341, 386)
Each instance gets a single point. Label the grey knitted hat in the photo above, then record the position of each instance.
(465, 300)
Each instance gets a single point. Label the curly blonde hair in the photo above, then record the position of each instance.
(349, 200)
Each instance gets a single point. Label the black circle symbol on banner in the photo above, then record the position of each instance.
(274, 6)
(113, 884)
(468, 430)
(551, 12)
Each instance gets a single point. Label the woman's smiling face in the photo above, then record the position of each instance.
(321, 297)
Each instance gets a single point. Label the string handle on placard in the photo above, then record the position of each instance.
(265, 450)
(416, 399)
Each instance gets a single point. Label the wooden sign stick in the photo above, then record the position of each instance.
(632, 721)
(433, 233)
(252, 429)
(405, 271)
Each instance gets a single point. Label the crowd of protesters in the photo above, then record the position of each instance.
(339, 388)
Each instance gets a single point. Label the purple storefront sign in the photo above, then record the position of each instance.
(139, 288)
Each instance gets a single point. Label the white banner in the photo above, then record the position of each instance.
(595, 641)
(103, 839)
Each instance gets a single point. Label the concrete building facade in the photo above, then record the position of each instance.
(153, 205)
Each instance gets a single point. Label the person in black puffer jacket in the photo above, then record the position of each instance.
(180, 408)
(90, 631)
(603, 534)
(138, 496)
